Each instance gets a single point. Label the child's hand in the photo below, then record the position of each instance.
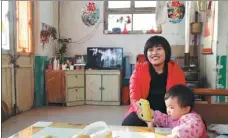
(138, 110)
(152, 113)
(151, 124)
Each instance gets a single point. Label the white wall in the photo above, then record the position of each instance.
(72, 26)
(208, 62)
(44, 12)
(223, 31)
(222, 28)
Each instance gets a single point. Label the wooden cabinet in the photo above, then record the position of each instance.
(98, 87)
(103, 87)
(75, 92)
(55, 86)
(65, 87)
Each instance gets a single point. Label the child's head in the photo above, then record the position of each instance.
(179, 100)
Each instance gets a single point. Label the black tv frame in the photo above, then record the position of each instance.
(104, 68)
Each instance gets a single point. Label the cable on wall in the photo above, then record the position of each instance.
(83, 39)
(89, 36)
(59, 18)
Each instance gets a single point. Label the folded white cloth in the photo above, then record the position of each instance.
(222, 136)
(219, 128)
(95, 130)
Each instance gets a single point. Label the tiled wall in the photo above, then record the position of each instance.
(226, 97)
(41, 63)
(222, 44)
(221, 75)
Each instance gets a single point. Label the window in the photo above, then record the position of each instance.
(130, 17)
(5, 25)
(24, 26)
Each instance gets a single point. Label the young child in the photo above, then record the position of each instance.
(184, 122)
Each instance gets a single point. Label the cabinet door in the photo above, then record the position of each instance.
(25, 82)
(75, 80)
(75, 94)
(7, 85)
(93, 87)
(111, 88)
(55, 86)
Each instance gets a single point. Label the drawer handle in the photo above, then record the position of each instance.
(76, 90)
(76, 76)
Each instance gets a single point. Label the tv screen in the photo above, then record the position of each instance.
(104, 58)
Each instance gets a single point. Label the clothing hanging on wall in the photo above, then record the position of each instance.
(161, 12)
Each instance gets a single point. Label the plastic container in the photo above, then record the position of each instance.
(144, 108)
(55, 64)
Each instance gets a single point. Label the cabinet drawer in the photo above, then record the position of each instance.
(75, 80)
(75, 94)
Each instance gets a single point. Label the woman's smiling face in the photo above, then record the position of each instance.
(156, 55)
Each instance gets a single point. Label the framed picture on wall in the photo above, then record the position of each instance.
(80, 59)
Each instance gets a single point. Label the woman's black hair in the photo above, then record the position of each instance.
(184, 95)
(156, 41)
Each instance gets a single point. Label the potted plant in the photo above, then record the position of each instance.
(63, 43)
(63, 48)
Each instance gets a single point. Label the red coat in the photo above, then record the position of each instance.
(140, 82)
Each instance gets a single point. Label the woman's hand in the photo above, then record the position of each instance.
(138, 109)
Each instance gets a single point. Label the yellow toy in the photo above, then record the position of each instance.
(144, 110)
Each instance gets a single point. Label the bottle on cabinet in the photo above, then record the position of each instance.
(55, 64)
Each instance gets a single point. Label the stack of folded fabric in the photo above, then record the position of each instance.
(218, 131)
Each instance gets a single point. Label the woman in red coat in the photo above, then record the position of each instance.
(152, 79)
